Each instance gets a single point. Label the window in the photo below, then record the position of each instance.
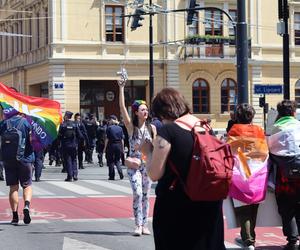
(297, 28)
(200, 96)
(30, 40)
(38, 40)
(228, 95)
(297, 93)
(213, 22)
(114, 23)
(233, 14)
(193, 28)
(47, 26)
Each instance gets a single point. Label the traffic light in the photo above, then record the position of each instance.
(262, 101)
(191, 12)
(137, 18)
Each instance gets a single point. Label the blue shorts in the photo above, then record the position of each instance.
(17, 172)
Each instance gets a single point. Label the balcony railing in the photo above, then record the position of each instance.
(27, 58)
(209, 47)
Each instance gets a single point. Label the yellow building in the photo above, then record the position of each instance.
(76, 48)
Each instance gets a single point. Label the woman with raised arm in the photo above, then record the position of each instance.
(140, 131)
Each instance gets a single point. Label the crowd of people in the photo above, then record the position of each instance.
(152, 145)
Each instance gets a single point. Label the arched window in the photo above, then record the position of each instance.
(200, 96)
(297, 92)
(228, 95)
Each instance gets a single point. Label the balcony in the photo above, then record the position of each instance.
(27, 58)
(209, 47)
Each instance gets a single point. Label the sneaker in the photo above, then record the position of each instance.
(146, 231)
(75, 178)
(69, 179)
(291, 246)
(137, 231)
(251, 247)
(239, 242)
(15, 221)
(26, 217)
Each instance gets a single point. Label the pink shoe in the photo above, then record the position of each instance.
(146, 231)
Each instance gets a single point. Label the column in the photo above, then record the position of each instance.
(57, 84)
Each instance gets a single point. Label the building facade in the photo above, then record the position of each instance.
(73, 50)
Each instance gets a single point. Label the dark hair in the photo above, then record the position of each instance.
(169, 104)
(286, 108)
(244, 113)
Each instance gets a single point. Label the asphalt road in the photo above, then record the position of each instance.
(92, 213)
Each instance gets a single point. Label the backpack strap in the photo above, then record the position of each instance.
(203, 123)
(177, 178)
(8, 124)
(20, 124)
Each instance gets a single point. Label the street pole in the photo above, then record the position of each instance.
(286, 52)
(151, 71)
(242, 52)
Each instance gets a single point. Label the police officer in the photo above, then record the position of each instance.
(68, 135)
(82, 143)
(38, 164)
(114, 147)
(1, 171)
(126, 141)
(91, 128)
(100, 141)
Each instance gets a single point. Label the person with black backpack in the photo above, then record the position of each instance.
(68, 136)
(83, 143)
(91, 128)
(100, 141)
(181, 220)
(18, 157)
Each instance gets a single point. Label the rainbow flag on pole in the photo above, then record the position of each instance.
(43, 114)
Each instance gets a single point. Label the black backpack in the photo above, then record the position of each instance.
(69, 130)
(12, 142)
(91, 129)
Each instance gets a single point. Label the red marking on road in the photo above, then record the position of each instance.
(78, 208)
(268, 238)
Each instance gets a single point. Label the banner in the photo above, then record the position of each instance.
(267, 215)
(43, 114)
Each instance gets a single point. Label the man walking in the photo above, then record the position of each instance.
(18, 158)
(82, 143)
(68, 135)
(114, 147)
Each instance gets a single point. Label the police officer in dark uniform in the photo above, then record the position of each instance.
(82, 143)
(100, 141)
(68, 135)
(38, 164)
(91, 128)
(114, 147)
(126, 142)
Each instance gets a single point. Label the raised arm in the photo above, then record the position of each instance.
(124, 113)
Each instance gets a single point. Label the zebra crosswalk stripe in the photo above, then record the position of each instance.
(75, 188)
(40, 191)
(110, 185)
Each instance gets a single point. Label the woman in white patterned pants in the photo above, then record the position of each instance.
(141, 185)
(140, 132)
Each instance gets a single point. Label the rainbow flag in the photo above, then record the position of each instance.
(43, 114)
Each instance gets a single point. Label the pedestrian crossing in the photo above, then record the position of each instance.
(57, 188)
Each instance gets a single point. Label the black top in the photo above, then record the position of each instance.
(174, 212)
(181, 153)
